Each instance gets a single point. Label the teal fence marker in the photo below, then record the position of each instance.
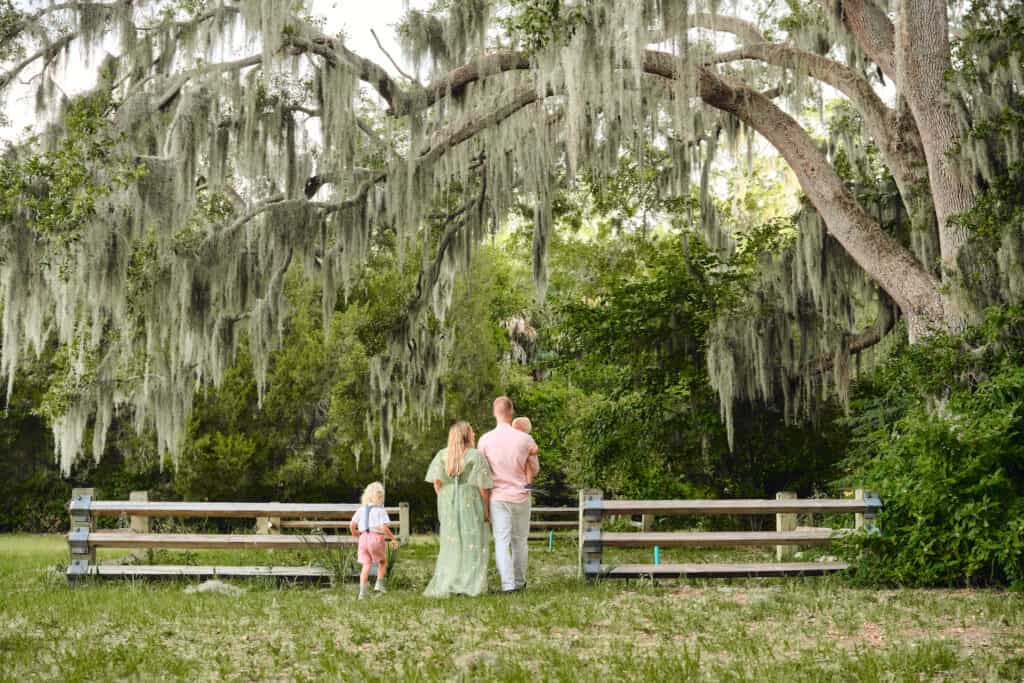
(551, 541)
(657, 555)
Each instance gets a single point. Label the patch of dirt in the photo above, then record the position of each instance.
(688, 592)
(869, 633)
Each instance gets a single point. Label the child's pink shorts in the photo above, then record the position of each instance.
(372, 547)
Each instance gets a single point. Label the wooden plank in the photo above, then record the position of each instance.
(572, 512)
(191, 571)
(113, 508)
(710, 539)
(325, 524)
(731, 507)
(716, 570)
(561, 524)
(104, 539)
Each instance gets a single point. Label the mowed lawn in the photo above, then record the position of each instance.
(560, 630)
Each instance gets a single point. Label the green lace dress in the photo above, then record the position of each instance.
(465, 536)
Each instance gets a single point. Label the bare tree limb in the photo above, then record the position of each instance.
(390, 58)
(745, 30)
(47, 52)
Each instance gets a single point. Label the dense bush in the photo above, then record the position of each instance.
(939, 432)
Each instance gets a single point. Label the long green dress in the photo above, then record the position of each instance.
(465, 535)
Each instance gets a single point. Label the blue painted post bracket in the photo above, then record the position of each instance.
(592, 508)
(78, 540)
(873, 503)
(78, 569)
(591, 513)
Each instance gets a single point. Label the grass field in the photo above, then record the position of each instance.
(560, 630)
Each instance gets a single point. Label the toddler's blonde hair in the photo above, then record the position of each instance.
(523, 424)
(373, 494)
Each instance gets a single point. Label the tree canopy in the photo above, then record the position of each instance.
(149, 224)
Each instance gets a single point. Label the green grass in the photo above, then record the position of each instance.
(814, 629)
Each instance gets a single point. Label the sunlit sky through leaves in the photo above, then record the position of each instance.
(354, 18)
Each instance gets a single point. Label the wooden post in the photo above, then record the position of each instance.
(141, 524)
(403, 523)
(263, 525)
(785, 521)
(82, 520)
(858, 517)
(590, 533)
(647, 523)
(274, 523)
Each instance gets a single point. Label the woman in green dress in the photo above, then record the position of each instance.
(462, 480)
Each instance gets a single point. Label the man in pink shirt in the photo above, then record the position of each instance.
(510, 453)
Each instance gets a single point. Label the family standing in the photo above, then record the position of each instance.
(474, 486)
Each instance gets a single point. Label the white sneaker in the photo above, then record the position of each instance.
(379, 588)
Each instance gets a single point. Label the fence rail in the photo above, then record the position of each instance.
(84, 539)
(786, 538)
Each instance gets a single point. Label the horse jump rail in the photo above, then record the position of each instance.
(716, 539)
(739, 506)
(721, 571)
(786, 537)
(175, 571)
(115, 508)
(84, 539)
(106, 539)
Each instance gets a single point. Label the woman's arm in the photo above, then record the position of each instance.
(437, 486)
(485, 494)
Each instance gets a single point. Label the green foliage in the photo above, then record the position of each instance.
(12, 23)
(536, 24)
(999, 209)
(939, 432)
(56, 192)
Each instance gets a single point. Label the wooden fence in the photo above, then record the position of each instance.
(274, 525)
(543, 529)
(787, 536)
(84, 539)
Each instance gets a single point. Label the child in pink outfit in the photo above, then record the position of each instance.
(370, 525)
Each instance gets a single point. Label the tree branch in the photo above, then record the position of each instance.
(901, 148)
(872, 30)
(179, 82)
(886, 261)
(47, 52)
(745, 30)
(390, 58)
(870, 336)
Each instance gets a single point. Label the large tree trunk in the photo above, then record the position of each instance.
(922, 59)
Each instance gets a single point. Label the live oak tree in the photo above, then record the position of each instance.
(149, 224)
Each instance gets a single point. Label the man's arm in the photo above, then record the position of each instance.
(533, 463)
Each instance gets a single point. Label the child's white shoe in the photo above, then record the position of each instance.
(379, 587)
(364, 591)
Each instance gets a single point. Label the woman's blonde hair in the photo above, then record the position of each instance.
(373, 494)
(460, 440)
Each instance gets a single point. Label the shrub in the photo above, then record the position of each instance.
(939, 432)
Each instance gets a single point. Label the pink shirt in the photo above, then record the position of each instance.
(508, 451)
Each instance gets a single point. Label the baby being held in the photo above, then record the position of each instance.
(523, 424)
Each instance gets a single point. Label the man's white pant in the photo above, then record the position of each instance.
(511, 525)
